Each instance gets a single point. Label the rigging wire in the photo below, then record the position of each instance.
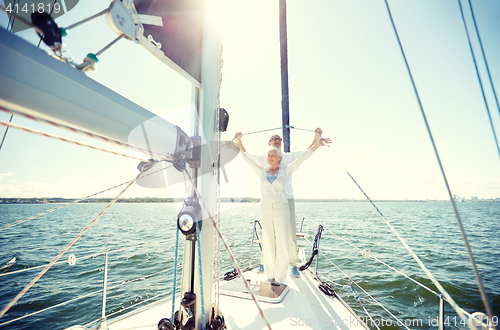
(483, 293)
(477, 70)
(484, 56)
(9, 305)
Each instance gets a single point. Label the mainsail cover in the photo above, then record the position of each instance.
(181, 34)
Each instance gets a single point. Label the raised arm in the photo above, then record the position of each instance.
(238, 141)
(317, 135)
(296, 163)
(255, 167)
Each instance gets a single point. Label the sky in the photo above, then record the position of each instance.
(346, 76)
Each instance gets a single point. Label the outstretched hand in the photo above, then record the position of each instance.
(321, 142)
(324, 142)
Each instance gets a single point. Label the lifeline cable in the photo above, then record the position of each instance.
(483, 293)
(86, 295)
(417, 259)
(82, 132)
(378, 260)
(9, 305)
(85, 257)
(233, 259)
(52, 136)
(350, 279)
(359, 301)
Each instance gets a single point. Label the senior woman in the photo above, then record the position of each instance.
(274, 210)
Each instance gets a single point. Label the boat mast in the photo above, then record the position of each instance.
(284, 77)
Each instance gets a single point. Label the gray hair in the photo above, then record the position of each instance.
(278, 151)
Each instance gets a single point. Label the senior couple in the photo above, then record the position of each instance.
(277, 205)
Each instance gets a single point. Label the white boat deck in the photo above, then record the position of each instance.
(303, 306)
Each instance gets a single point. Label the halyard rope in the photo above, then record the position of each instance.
(52, 136)
(233, 259)
(81, 132)
(37, 277)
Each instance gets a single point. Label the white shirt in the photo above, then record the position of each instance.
(274, 193)
(286, 159)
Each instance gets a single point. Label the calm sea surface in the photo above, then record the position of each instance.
(141, 240)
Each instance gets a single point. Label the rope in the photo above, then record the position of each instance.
(417, 259)
(226, 246)
(74, 202)
(380, 261)
(52, 136)
(9, 305)
(327, 289)
(84, 133)
(315, 249)
(477, 71)
(216, 273)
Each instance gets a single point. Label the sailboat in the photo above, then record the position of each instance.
(74, 100)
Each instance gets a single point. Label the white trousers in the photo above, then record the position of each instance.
(275, 220)
(292, 239)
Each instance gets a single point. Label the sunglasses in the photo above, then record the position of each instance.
(275, 139)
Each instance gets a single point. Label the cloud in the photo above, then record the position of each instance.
(5, 175)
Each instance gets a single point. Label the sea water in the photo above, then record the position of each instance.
(141, 242)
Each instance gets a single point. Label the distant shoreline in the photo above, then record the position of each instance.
(223, 200)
